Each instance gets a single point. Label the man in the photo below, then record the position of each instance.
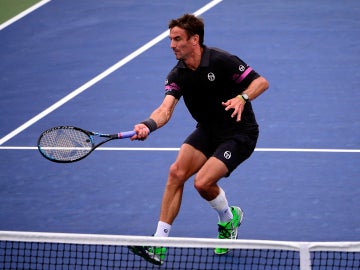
(217, 88)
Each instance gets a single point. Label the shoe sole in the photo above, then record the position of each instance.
(142, 252)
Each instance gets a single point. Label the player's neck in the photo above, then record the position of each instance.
(193, 62)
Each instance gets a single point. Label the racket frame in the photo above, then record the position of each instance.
(90, 134)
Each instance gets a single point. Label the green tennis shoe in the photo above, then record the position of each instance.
(229, 230)
(154, 255)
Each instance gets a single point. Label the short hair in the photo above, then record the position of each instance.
(191, 24)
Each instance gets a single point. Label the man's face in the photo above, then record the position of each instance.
(181, 44)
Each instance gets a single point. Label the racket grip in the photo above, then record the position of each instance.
(126, 134)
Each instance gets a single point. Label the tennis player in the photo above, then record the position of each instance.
(217, 88)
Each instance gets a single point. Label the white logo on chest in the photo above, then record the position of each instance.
(211, 76)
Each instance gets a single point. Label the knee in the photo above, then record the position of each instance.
(201, 185)
(207, 189)
(176, 174)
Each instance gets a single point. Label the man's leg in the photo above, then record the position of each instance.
(206, 184)
(188, 162)
(208, 176)
(229, 217)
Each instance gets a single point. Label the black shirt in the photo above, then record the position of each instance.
(219, 77)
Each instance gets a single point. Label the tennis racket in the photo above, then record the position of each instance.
(65, 144)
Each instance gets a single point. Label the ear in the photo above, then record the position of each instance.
(195, 39)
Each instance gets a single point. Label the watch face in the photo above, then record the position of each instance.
(246, 97)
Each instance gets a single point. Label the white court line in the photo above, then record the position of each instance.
(23, 14)
(310, 150)
(98, 78)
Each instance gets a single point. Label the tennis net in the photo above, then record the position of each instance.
(34, 250)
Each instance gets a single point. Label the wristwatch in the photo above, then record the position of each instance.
(245, 97)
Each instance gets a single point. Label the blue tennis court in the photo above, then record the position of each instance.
(84, 63)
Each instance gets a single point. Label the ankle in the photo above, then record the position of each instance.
(163, 229)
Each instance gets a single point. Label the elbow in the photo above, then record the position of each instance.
(265, 83)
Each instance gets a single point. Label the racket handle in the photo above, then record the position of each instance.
(126, 134)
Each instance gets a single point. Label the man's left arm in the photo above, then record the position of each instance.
(255, 89)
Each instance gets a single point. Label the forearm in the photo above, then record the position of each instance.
(160, 116)
(163, 113)
(256, 88)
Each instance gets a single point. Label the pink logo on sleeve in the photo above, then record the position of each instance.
(171, 87)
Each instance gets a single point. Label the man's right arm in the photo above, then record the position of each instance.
(158, 118)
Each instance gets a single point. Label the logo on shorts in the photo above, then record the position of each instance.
(241, 68)
(227, 154)
(211, 76)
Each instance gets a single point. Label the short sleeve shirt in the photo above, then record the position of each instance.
(219, 77)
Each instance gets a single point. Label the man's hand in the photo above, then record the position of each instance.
(237, 104)
(142, 132)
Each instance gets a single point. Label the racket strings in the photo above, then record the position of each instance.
(65, 144)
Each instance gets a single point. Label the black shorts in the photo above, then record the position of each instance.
(231, 150)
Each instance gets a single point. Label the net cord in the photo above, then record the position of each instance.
(125, 240)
